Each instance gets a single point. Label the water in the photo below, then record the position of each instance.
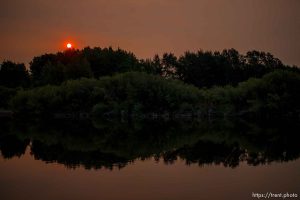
(147, 160)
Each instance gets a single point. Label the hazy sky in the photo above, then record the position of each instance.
(146, 27)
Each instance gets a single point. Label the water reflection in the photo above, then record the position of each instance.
(114, 144)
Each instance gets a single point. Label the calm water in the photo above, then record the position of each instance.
(147, 160)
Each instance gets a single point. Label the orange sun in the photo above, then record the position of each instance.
(69, 45)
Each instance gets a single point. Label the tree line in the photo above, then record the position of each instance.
(116, 83)
(201, 68)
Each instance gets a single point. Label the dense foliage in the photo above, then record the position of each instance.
(124, 94)
(277, 93)
(135, 93)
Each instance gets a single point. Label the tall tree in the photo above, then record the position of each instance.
(169, 65)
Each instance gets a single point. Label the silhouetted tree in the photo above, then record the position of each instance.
(37, 65)
(13, 75)
(203, 69)
(259, 63)
(107, 61)
(151, 66)
(169, 64)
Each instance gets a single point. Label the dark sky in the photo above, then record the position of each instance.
(146, 27)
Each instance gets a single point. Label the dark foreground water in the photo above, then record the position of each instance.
(148, 160)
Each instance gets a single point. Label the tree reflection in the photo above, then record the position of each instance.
(114, 144)
(12, 146)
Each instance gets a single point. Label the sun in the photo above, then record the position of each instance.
(69, 45)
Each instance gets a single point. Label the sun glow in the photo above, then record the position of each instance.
(69, 45)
